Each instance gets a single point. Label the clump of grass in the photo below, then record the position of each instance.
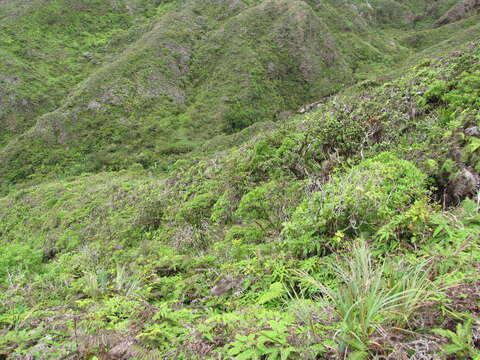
(368, 299)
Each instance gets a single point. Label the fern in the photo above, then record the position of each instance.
(275, 291)
(462, 341)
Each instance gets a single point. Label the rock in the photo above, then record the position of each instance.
(308, 108)
(465, 184)
(460, 11)
(120, 351)
(224, 285)
(472, 131)
(456, 153)
(94, 105)
(88, 55)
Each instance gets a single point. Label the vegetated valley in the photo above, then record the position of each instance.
(239, 179)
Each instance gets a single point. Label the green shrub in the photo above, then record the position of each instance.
(359, 201)
(467, 92)
(168, 327)
(434, 93)
(15, 257)
(222, 209)
(238, 235)
(270, 204)
(464, 93)
(269, 344)
(462, 341)
(338, 134)
(413, 226)
(150, 215)
(197, 209)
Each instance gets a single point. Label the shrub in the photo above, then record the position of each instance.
(244, 234)
(270, 204)
(340, 135)
(150, 215)
(220, 209)
(434, 93)
(18, 257)
(197, 209)
(467, 92)
(359, 201)
(413, 225)
(463, 343)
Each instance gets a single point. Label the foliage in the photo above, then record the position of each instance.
(366, 296)
(160, 198)
(18, 258)
(270, 204)
(270, 344)
(357, 202)
(167, 328)
(462, 341)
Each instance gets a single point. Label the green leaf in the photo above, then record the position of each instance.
(250, 354)
(273, 354)
(445, 333)
(474, 145)
(275, 291)
(358, 355)
(451, 348)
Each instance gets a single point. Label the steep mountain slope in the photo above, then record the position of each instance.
(47, 47)
(200, 265)
(460, 11)
(160, 198)
(200, 69)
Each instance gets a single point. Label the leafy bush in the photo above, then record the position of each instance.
(462, 341)
(197, 209)
(18, 257)
(168, 327)
(244, 234)
(359, 201)
(270, 204)
(340, 135)
(414, 225)
(464, 93)
(434, 93)
(467, 92)
(221, 210)
(271, 344)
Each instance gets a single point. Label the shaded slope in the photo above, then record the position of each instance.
(460, 11)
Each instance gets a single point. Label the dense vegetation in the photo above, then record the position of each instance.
(160, 198)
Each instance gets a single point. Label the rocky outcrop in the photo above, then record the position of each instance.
(309, 107)
(464, 184)
(226, 284)
(460, 11)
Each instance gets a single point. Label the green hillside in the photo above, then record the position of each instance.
(159, 85)
(161, 196)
